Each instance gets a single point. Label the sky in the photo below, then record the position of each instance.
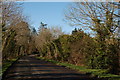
(51, 13)
(49, 0)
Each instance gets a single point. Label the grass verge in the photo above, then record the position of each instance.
(95, 72)
(6, 64)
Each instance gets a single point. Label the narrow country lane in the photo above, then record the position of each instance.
(30, 68)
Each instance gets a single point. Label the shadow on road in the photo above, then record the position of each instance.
(30, 68)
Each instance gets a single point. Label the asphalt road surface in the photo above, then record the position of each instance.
(30, 68)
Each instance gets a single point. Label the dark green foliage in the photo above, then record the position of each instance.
(15, 41)
(81, 49)
(68, 47)
(9, 45)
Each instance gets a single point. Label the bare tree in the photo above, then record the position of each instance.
(56, 31)
(22, 33)
(43, 37)
(11, 13)
(47, 35)
(101, 17)
(15, 29)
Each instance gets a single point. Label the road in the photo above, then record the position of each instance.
(30, 68)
